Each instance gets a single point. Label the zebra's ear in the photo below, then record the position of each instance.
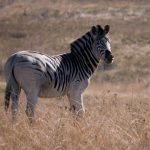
(94, 30)
(106, 29)
(100, 29)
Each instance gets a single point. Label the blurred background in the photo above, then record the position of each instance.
(49, 26)
(117, 102)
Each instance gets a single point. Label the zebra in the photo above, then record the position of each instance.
(40, 75)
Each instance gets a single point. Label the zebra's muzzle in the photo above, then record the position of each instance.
(109, 59)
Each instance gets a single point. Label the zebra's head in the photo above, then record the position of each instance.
(101, 43)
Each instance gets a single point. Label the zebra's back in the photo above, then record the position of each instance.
(51, 74)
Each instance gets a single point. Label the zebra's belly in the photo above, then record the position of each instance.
(49, 92)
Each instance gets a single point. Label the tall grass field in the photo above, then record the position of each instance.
(117, 101)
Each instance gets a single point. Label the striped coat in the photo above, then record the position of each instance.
(40, 75)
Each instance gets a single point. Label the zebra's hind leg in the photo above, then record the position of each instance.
(32, 98)
(15, 99)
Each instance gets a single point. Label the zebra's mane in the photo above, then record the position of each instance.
(80, 44)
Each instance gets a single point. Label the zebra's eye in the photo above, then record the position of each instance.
(98, 48)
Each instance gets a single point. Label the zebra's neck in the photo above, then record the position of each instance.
(82, 50)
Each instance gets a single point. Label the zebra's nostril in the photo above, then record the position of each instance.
(109, 59)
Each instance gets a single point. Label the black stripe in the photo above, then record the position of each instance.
(69, 62)
(59, 78)
(94, 58)
(81, 66)
(58, 71)
(91, 56)
(49, 75)
(63, 64)
(56, 79)
(88, 45)
(66, 68)
(83, 62)
(74, 64)
(85, 56)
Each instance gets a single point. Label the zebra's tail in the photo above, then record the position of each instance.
(7, 96)
(10, 80)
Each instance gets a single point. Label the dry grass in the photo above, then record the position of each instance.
(117, 102)
(117, 117)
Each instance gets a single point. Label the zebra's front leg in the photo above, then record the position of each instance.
(75, 95)
(76, 103)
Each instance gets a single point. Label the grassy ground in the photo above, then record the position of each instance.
(117, 117)
(117, 102)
